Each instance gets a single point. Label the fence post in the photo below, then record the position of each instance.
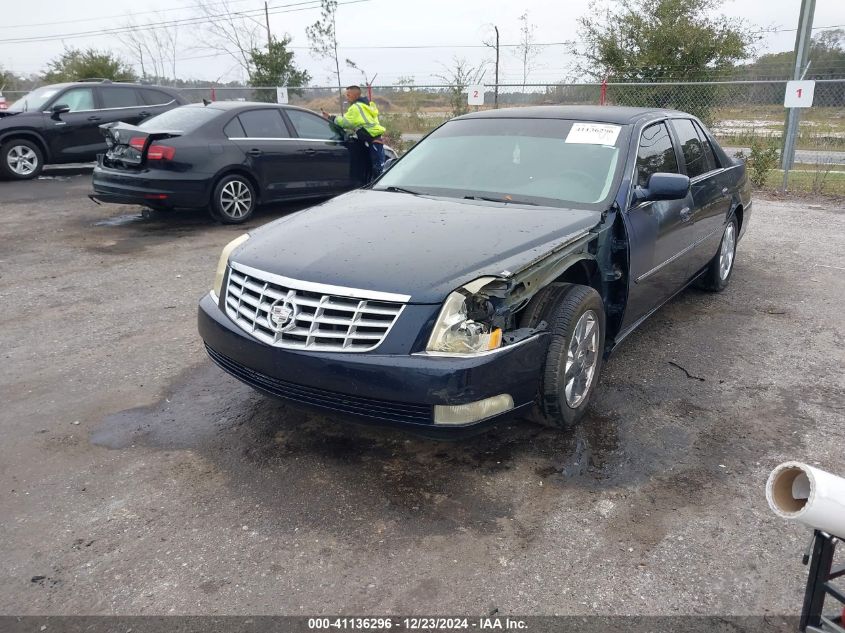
(603, 94)
(802, 50)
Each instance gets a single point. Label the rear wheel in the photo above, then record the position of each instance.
(576, 322)
(21, 159)
(718, 272)
(233, 200)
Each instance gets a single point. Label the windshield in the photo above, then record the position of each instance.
(550, 162)
(35, 100)
(183, 119)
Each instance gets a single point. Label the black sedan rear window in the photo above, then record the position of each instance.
(185, 119)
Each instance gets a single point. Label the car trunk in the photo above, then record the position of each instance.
(132, 147)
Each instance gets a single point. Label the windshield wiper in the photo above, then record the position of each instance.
(393, 189)
(505, 200)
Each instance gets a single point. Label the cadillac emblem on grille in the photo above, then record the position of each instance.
(282, 314)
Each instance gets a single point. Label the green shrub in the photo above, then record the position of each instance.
(763, 158)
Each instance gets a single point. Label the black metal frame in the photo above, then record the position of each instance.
(819, 585)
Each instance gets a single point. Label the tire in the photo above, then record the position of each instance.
(21, 159)
(563, 398)
(233, 200)
(721, 267)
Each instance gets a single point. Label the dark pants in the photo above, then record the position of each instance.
(376, 159)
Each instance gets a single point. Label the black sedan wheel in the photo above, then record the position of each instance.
(233, 200)
(21, 159)
(576, 320)
(719, 271)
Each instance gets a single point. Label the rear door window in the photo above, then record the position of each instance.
(691, 147)
(234, 129)
(710, 156)
(655, 154)
(264, 123)
(311, 126)
(155, 97)
(119, 97)
(78, 99)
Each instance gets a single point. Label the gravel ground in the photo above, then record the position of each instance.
(140, 479)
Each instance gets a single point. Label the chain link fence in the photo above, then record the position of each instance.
(744, 115)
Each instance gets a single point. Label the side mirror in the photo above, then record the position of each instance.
(663, 186)
(60, 108)
(388, 164)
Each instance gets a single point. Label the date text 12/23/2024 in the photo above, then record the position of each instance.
(416, 624)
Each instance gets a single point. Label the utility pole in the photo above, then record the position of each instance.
(496, 90)
(267, 21)
(141, 55)
(802, 53)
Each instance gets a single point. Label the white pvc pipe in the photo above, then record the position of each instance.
(798, 492)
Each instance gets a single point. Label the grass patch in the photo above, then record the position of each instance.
(820, 181)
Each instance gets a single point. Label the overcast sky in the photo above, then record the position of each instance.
(449, 27)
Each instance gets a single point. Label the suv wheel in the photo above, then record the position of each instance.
(21, 159)
(233, 200)
(576, 321)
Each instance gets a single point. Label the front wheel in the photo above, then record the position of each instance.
(21, 159)
(718, 272)
(576, 319)
(233, 200)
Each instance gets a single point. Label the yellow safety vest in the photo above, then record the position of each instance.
(361, 115)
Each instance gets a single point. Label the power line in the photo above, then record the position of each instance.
(109, 17)
(283, 8)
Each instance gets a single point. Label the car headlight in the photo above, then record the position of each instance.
(224, 261)
(461, 327)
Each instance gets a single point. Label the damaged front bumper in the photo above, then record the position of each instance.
(388, 388)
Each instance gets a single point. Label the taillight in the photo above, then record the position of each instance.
(161, 152)
(138, 142)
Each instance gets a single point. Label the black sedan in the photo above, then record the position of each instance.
(227, 157)
(60, 123)
(489, 271)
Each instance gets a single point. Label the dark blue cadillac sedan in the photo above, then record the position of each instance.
(488, 272)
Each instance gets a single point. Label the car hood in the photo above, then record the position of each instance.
(5, 115)
(413, 245)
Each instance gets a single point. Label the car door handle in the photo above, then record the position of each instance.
(145, 113)
(310, 151)
(95, 118)
(255, 152)
(686, 214)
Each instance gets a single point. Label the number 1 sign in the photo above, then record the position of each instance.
(475, 95)
(799, 94)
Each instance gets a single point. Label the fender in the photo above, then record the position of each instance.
(30, 134)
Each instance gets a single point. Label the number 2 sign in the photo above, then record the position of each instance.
(475, 95)
(799, 94)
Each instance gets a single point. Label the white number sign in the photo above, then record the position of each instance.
(475, 95)
(799, 94)
(281, 95)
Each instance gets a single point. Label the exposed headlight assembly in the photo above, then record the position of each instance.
(463, 325)
(224, 261)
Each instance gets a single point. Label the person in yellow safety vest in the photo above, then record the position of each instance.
(361, 117)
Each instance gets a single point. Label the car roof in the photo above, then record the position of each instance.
(235, 105)
(130, 84)
(603, 114)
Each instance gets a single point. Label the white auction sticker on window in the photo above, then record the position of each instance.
(593, 134)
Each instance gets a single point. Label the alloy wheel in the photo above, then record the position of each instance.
(235, 199)
(726, 254)
(22, 160)
(581, 358)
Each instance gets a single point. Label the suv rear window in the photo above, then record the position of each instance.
(155, 97)
(183, 119)
(119, 97)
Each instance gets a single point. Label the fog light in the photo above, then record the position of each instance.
(472, 412)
